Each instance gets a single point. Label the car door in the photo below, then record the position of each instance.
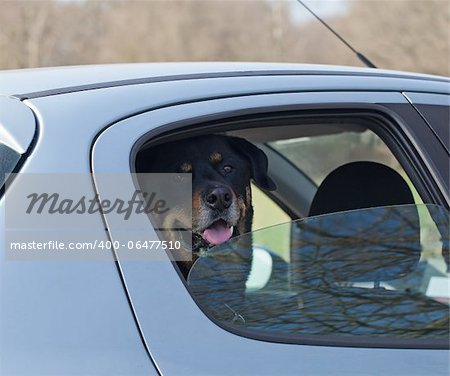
(179, 336)
(58, 316)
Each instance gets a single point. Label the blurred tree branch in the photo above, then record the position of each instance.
(407, 35)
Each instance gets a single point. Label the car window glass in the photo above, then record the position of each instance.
(439, 118)
(367, 272)
(17, 131)
(8, 160)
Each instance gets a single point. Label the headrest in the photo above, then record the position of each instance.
(370, 233)
(359, 185)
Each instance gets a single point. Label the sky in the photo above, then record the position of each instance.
(323, 8)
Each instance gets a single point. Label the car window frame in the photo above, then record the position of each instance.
(387, 133)
(206, 119)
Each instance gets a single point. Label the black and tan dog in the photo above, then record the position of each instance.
(222, 168)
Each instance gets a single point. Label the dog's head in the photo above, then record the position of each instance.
(222, 168)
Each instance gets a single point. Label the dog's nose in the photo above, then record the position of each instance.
(219, 198)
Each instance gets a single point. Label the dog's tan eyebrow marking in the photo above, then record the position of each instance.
(186, 167)
(215, 157)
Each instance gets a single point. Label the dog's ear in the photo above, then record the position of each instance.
(258, 162)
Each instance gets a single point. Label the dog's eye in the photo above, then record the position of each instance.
(227, 169)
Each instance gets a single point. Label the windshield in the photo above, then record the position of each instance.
(372, 272)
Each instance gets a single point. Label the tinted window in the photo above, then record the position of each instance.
(354, 274)
(8, 160)
(17, 130)
(439, 118)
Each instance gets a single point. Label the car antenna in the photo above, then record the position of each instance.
(360, 56)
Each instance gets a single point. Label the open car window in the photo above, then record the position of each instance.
(342, 252)
(375, 273)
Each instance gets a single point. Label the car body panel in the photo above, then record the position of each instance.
(61, 317)
(19, 82)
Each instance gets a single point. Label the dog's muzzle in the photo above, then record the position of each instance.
(217, 215)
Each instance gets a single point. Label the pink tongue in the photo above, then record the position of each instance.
(217, 233)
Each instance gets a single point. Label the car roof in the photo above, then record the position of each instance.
(32, 83)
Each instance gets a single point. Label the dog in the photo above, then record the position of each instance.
(222, 168)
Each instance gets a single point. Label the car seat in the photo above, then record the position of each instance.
(337, 248)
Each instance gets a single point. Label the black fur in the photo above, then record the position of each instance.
(210, 158)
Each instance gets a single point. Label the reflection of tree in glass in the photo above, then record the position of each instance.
(339, 284)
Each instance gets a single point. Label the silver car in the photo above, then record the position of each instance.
(336, 287)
